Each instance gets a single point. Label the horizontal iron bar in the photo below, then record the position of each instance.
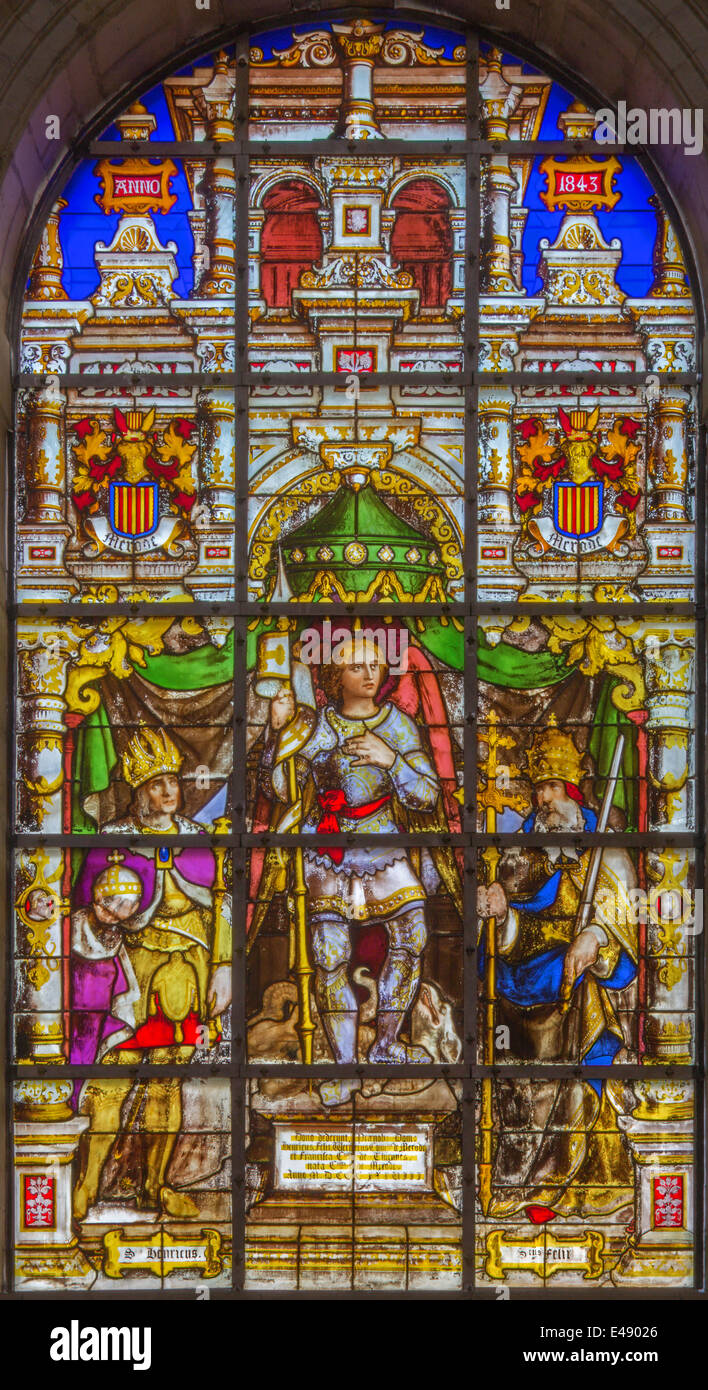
(139, 380)
(434, 148)
(70, 1071)
(86, 612)
(581, 377)
(465, 840)
(654, 839)
(255, 1071)
(102, 381)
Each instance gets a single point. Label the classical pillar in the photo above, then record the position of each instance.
(219, 185)
(668, 467)
(458, 220)
(256, 219)
(496, 574)
(216, 425)
(659, 1133)
(46, 1137)
(46, 1130)
(668, 262)
(48, 264)
(213, 521)
(43, 653)
(496, 469)
(669, 672)
(197, 222)
(499, 99)
(44, 461)
(359, 42)
(41, 913)
(518, 216)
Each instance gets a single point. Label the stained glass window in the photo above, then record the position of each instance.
(357, 754)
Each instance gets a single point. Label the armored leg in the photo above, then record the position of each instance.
(398, 986)
(336, 1000)
(163, 1122)
(102, 1101)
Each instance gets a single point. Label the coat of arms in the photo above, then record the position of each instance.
(133, 485)
(578, 493)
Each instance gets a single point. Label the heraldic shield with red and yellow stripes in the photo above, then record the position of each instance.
(577, 508)
(134, 511)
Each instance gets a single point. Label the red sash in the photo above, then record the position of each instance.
(333, 805)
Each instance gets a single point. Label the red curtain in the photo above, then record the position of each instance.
(291, 240)
(422, 239)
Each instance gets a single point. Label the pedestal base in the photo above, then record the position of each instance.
(660, 1252)
(47, 1266)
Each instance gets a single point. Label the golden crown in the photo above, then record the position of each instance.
(150, 753)
(553, 757)
(117, 881)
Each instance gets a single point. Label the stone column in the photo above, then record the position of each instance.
(496, 574)
(518, 217)
(669, 671)
(496, 469)
(499, 99)
(43, 653)
(256, 218)
(458, 220)
(46, 1135)
(668, 262)
(213, 521)
(45, 458)
(668, 469)
(46, 1130)
(359, 42)
(216, 423)
(40, 956)
(197, 222)
(43, 531)
(48, 264)
(219, 185)
(659, 1133)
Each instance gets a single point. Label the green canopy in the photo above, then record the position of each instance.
(353, 538)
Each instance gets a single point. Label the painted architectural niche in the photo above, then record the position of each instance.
(133, 481)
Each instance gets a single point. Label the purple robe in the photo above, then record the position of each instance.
(96, 984)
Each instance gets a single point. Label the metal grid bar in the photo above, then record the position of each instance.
(358, 149)
(94, 612)
(473, 243)
(616, 839)
(137, 382)
(21, 1071)
(240, 887)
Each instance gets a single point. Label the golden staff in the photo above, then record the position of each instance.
(301, 968)
(494, 796)
(274, 672)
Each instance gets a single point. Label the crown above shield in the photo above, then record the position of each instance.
(150, 753)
